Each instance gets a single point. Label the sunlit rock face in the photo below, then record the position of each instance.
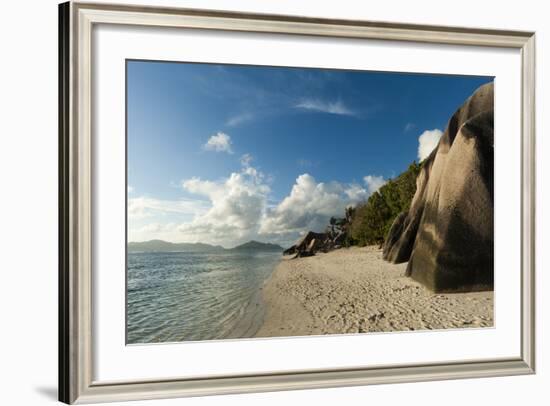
(447, 235)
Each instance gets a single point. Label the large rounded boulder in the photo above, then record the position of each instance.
(447, 235)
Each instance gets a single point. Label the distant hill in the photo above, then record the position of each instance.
(257, 246)
(165, 246)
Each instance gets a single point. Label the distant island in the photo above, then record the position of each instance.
(257, 246)
(165, 246)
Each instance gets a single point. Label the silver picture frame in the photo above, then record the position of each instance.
(76, 21)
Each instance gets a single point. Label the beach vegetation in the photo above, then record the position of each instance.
(371, 220)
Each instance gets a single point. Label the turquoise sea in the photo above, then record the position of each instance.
(189, 296)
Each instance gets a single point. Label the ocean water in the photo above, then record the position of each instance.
(189, 296)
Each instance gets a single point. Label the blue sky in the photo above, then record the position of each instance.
(227, 153)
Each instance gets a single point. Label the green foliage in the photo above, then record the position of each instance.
(372, 220)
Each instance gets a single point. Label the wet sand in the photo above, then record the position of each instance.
(354, 291)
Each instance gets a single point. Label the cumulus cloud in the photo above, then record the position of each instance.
(237, 204)
(355, 194)
(219, 142)
(427, 142)
(310, 205)
(130, 189)
(238, 208)
(374, 183)
(321, 106)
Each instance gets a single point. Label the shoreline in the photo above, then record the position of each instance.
(353, 290)
(253, 317)
(250, 321)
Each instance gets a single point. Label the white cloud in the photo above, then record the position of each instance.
(374, 183)
(219, 142)
(355, 194)
(144, 207)
(156, 228)
(156, 231)
(427, 142)
(130, 189)
(236, 206)
(337, 107)
(246, 159)
(239, 119)
(310, 206)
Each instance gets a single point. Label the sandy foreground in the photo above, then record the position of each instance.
(353, 291)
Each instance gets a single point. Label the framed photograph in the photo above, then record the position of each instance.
(262, 202)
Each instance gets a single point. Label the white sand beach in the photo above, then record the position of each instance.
(353, 291)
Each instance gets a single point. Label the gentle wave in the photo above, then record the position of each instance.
(190, 296)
